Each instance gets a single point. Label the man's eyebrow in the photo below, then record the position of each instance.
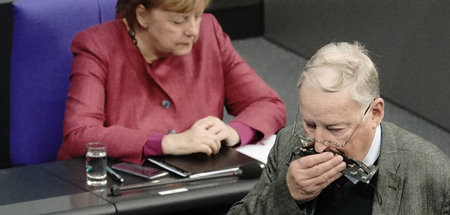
(337, 125)
(307, 121)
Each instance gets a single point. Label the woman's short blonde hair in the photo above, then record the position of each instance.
(353, 66)
(127, 8)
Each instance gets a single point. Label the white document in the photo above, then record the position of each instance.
(260, 150)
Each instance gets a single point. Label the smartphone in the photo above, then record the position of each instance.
(140, 170)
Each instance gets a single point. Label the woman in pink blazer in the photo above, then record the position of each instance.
(156, 81)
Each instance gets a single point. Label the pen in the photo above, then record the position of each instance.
(114, 175)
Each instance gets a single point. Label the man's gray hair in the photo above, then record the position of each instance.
(353, 67)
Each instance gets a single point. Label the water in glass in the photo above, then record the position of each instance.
(96, 165)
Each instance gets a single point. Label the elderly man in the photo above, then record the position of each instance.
(340, 158)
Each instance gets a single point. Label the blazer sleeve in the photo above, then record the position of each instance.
(270, 195)
(247, 96)
(85, 107)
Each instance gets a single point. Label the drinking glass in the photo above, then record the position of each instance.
(96, 164)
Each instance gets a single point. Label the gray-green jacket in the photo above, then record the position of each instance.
(414, 177)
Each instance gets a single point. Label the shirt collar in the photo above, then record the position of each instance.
(374, 152)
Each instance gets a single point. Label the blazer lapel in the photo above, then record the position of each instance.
(390, 183)
(390, 188)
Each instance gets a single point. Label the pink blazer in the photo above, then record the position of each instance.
(117, 98)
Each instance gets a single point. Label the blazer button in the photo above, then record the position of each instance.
(165, 104)
(172, 131)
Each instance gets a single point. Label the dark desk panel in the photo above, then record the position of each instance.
(27, 183)
(72, 171)
(81, 203)
(200, 194)
(32, 190)
(207, 193)
(60, 187)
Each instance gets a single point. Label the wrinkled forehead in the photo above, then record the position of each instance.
(315, 101)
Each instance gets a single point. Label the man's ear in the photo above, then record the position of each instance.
(141, 14)
(377, 112)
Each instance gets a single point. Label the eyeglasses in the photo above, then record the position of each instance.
(306, 141)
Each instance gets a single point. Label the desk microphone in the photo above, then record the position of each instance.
(247, 171)
(250, 170)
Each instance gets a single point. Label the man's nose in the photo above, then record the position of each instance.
(319, 135)
(319, 147)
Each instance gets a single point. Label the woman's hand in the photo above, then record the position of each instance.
(204, 136)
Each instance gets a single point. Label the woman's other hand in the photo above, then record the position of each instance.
(204, 136)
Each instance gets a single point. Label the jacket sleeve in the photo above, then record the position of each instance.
(270, 195)
(85, 108)
(248, 97)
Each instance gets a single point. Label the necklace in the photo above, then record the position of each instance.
(133, 37)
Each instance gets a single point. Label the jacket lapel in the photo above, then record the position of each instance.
(390, 187)
(390, 183)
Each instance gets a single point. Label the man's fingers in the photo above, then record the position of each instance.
(326, 166)
(314, 160)
(307, 183)
(321, 174)
(330, 176)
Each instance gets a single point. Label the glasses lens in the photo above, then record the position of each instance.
(306, 141)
